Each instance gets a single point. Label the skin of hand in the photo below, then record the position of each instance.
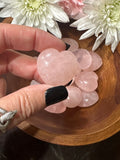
(27, 100)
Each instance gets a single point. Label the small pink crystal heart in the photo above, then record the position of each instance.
(57, 68)
(87, 81)
(96, 62)
(84, 58)
(56, 108)
(73, 44)
(88, 99)
(74, 97)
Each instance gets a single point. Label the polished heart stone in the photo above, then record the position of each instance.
(96, 62)
(87, 81)
(73, 44)
(88, 99)
(56, 108)
(84, 58)
(57, 68)
(74, 97)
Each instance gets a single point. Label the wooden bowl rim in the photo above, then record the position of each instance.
(73, 140)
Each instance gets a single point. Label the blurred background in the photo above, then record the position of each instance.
(16, 145)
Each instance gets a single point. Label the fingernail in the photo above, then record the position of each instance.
(67, 46)
(55, 94)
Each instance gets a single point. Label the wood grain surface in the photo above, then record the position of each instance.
(81, 126)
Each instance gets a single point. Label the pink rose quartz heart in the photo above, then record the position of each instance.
(84, 58)
(96, 62)
(87, 81)
(57, 68)
(73, 44)
(74, 97)
(56, 108)
(88, 99)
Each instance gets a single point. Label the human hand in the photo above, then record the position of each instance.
(28, 100)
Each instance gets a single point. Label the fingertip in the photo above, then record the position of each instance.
(44, 40)
(55, 94)
(63, 46)
(29, 38)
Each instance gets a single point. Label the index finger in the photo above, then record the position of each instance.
(26, 38)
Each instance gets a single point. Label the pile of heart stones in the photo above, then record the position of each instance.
(75, 69)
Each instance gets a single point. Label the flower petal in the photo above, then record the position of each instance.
(50, 22)
(58, 13)
(17, 19)
(98, 42)
(85, 26)
(88, 33)
(23, 20)
(36, 21)
(42, 27)
(55, 30)
(6, 12)
(80, 21)
(98, 30)
(2, 4)
(109, 38)
(53, 1)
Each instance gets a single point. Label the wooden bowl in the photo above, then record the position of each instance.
(81, 126)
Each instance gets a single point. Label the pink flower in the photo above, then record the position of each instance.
(73, 8)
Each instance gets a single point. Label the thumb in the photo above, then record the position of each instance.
(30, 100)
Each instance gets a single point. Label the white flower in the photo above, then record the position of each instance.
(102, 19)
(2, 4)
(42, 14)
